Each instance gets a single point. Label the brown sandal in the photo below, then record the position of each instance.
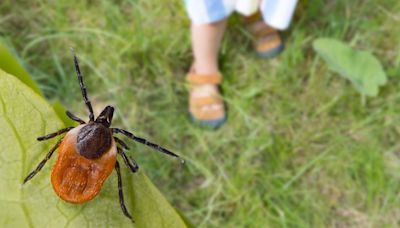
(215, 115)
(268, 42)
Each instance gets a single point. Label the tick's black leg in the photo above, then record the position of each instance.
(122, 143)
(121, 193)
(133, 166)
(42, 163)
(83, 87)
(144, 141)
(75, 118)
(52, 135)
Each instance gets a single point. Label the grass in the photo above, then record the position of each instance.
(300, 148)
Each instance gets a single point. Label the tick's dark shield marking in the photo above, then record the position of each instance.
(88, 154)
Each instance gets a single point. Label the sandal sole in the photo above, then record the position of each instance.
(271, 53)
(212, 124)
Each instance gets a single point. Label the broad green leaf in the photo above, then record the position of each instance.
(10, 64)
(24, 115)
(360, 67)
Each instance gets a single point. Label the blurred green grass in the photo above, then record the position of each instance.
(300, 148)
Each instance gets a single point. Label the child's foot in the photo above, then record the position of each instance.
(267, 41)
(206, 106)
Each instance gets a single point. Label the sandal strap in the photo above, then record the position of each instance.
(198, 79)
(198, 102)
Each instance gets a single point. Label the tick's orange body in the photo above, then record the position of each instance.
(75, 178)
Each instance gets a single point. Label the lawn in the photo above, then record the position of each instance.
(301, 148)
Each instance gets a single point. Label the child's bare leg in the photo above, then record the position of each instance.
(206, 41)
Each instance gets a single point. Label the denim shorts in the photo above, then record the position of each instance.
(277, 13)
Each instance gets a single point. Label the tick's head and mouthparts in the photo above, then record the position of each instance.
(95, 138)
(106, 116)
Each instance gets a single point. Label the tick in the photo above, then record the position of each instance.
(87, 154)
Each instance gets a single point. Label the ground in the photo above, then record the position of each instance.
(301, 147)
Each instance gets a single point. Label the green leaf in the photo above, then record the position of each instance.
(24, 115)
(360, 67)
(10, 65)
(151, 209)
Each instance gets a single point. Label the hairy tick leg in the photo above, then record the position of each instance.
(42, 163)
(121, 193)
(132, 165)
(52, 135)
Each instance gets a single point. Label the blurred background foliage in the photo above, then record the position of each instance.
(300, 149)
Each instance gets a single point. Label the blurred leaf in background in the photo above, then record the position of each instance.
(360, 67)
